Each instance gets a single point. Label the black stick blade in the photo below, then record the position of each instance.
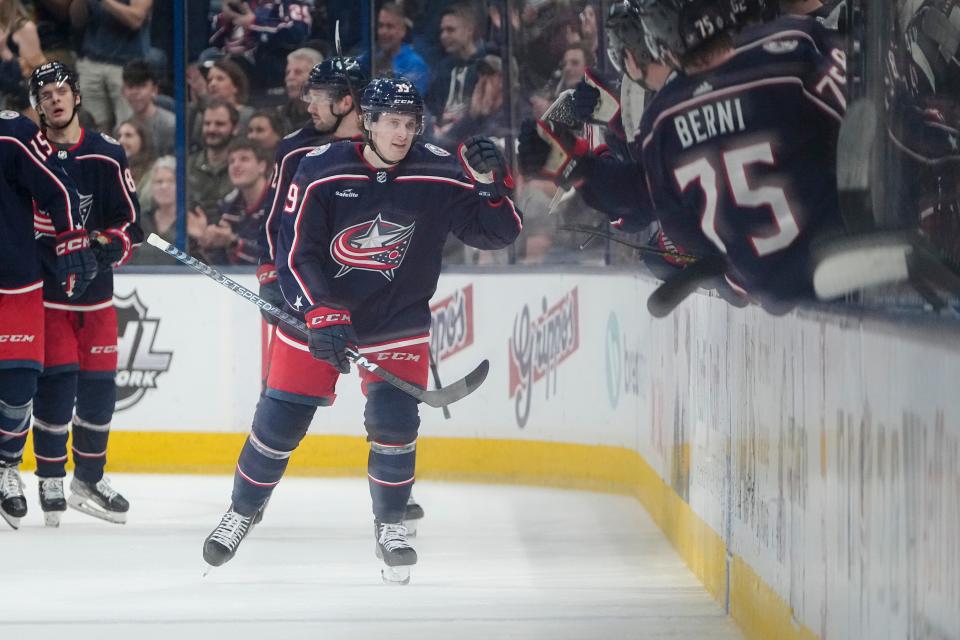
(459, 389)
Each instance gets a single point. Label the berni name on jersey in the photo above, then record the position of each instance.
(709, 121)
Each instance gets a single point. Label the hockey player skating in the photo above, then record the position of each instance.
(329, 94)
(359, 255)
(80, 354)
(29, 169)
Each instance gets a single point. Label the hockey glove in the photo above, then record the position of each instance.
(111, 248)
(487, 167)
(269, 289)
(553, 151)
(76, 264)
(594, 101)
(329, 334)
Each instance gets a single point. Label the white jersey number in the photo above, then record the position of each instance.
(735, 165)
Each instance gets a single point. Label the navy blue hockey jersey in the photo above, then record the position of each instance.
(107, 200)
(289, 153)
(740, 160)
(28, 170)
(371, 240)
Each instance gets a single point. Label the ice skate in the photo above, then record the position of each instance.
(13, 505)
(412, 516)
(52, 501)
(221, 545)
(99, 500)
(397, 554)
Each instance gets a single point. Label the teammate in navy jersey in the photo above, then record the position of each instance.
(80, 355)
(29, 170)
(359, 255)
(335, 117)
(730, 172)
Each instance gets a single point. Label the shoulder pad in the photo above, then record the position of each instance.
(109, 139)
(292, 134)
(436, 150)
(319, 151)
(7, 114)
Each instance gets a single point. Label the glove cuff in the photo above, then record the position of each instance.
(266, 273)
(73, 240)
(318, 317)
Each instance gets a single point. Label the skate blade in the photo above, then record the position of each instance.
(411, 526)
(395, 575)
(78, 503)
(207, 568)
(52, 518)
(12, 521)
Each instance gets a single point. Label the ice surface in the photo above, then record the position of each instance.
(495, 562)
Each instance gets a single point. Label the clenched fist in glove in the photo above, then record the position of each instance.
(487, 167)
(594, 101)
(329, 335)
(111, 248)
(551, 150)
(76, 264)
(269, 289)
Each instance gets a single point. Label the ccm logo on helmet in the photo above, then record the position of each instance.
(16, 337)
(74, 244)
(329, 319)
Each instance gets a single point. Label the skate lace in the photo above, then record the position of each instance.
(393, 537)
(52, 489)
(10, 482)
(231, 530)
(108, 492)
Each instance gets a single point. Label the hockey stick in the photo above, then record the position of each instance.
(597, 233)
(675, 290)
(436, 380)
(437, 398)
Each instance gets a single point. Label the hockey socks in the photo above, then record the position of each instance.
(278, 427)
(390, 470)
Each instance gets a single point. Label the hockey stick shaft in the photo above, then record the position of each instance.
(437, 398)
(435, 372)
(596, 233)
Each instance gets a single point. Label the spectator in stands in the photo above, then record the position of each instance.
(576, 58)
(267, 128)
(114, 32)
(228, 82)
(207, 179)
(56, 33)
(20, 51)
(140, 88)
(456, 76)
(394, 57)
(299, 63)
(260, 34)
(161, 217)
(426, 16)
(235, 239)
(136, 141)
(487, 114)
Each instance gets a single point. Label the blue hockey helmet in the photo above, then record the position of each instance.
(391, 95)
(55, 73)
(682, 26)
(339, 75)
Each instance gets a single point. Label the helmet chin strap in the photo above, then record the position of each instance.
(64, 125)
(373, 146)
(336, 125)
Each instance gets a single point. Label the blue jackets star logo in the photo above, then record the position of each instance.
(375, 245)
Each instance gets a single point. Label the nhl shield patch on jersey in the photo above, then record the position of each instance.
(375, 245)
(437, 151)
(319, 151)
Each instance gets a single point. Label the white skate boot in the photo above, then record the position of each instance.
(52, 501)
(13, 505)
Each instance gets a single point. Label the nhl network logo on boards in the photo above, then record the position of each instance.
(138, 365)
(538, 347)
(451, 325)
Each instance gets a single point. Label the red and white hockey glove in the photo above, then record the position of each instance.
(487, 167)
(269, 289)
(552, 151)
(594, 101)
(111, 247)
(329, 334)
(76, 264)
